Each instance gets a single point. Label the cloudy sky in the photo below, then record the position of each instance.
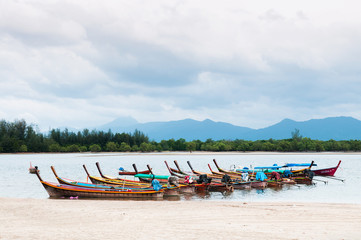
(250, 63)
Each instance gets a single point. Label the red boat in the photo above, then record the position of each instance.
(327, 171)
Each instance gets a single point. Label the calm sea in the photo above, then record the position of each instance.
(16, 182)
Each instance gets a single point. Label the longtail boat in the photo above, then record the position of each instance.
(327, 171)
(128, 173)
(118, 181)
(63, 190)
(190, 181)
(173, 172)
(203, 182)
(104, 186)
(180, 170)
(225, 171)
(300, 176)
(269, 169)
(216, 183)
(169, 190)
(105, 176)
(270, 182)
(122, 179)
(144, 179)
(238, 182)
(303, 176)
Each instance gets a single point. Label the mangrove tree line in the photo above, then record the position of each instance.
(18, 136)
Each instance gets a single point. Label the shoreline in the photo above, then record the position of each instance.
(101, 219)
(192, 153)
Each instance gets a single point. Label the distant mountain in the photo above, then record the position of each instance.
(188, 129)
(337, 128)
(119, 124)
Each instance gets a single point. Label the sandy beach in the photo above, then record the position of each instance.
(110, 219)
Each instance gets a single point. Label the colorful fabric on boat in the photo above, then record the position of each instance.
(156, 185)
(275, 175)
(287, 173)
(188, 179)
(260, 176)
(121, 169)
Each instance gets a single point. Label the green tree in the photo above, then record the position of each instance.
(146, 147)
(180, 145)
(95, 148)
(296, 135)
(111, 147)
(164, 145)
(124, 147)
(23, 148)
(83, 148)
(139, 137)
(55, 147)
(135, 148)
(73, 148)
(191, 146)
(319, 146)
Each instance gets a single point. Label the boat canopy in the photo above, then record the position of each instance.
(299, 165)
(151, 176)
(271, 167)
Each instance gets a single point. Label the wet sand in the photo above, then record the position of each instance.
(109, 219)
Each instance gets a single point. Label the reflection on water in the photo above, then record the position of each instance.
(15, 181)
(260, 191)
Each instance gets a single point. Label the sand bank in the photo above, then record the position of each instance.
(107, 219)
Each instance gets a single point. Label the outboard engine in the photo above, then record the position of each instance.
(204, 179)
(172, 180)
(309, 173)
(226, 179)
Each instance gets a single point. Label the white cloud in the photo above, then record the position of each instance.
(84, 63)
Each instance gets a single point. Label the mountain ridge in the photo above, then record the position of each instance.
(337, 128)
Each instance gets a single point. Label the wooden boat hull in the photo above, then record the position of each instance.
(61, 190)
(302, 180)
(104, 186)
(172, 192)
(242, 185)
(188, 189)
(215, 187)
(258, 184)
(279, 183)
(274, 184)
(327, 171)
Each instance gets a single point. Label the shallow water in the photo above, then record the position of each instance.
(15, 181)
